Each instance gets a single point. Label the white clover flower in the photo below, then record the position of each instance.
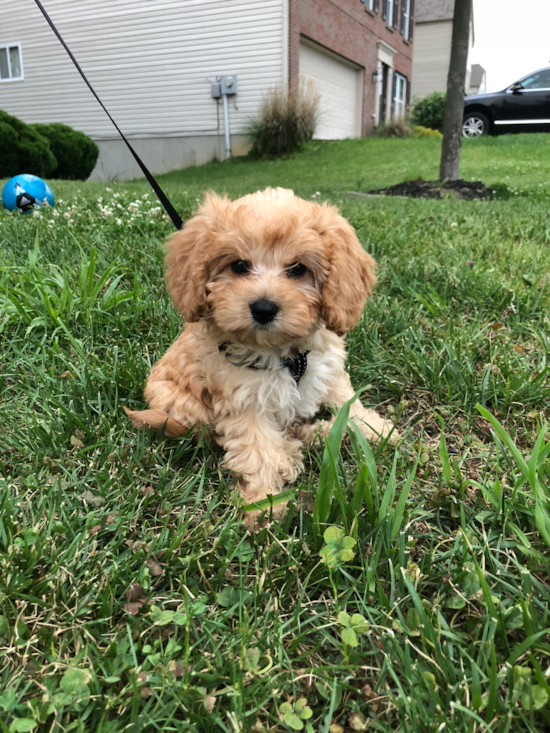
(100, 199)
(454, 225)
(67, 215)
(36, 212)
(109, 189)
(119, 222)
(145, 196)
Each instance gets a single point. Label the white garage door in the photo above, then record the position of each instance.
(340, 86)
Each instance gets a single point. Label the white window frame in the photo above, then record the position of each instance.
(389, 19)
(369, 4)
(399, 105)
(7, 46)
(407, 16)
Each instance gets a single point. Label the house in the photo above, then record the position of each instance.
(157, 64)
(432, 47)
(478, 80)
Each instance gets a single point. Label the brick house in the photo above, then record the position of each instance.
(333, 41)
(153, 62)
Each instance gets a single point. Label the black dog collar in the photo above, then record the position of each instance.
(296, 364)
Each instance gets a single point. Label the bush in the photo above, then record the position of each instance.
(420, 131)
(395, 128)
(285, 121)
(76, 153)
(23, 149)
(428, 112)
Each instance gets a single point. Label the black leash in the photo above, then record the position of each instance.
(163, 198)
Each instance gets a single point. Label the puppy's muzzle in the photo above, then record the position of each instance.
(264, 311)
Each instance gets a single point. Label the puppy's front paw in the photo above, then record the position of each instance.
(387, 427)
(375, 428)
(258, 519)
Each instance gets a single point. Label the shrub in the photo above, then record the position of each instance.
(285, 121)
(395, 128)
(419, 131)
(23, 149)
(76, 153)
(428, 112)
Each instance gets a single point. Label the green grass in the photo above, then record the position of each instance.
(131, 597)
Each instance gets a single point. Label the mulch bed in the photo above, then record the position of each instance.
(420, 188)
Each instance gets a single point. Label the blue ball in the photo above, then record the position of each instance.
(25, 191)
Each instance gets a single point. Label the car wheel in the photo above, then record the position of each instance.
(475, 124)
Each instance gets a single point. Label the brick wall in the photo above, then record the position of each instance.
(346, 28)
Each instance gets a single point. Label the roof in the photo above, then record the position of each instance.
(429, 10)
(476, 75)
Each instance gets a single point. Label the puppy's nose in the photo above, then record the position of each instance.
(264, 311)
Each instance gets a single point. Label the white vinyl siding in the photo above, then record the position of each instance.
(148, 60)
(432, 55)
(340, 86)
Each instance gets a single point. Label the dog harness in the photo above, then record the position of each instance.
(296, 364)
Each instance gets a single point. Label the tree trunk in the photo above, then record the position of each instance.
(454, 106)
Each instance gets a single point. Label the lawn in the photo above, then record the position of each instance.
(131, 597)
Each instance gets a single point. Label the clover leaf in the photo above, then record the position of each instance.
(294, 715)
(338, 548)
(530, 696)
(351, 626)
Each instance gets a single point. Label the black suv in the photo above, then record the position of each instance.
(523, 106)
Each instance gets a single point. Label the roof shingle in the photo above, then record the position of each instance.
(428, 10)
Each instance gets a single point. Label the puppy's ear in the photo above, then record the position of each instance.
(350, 279)
(187, 261)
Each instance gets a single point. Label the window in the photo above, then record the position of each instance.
(399, 100)
(390, 12)
(371, 5)
(387, 11)
(405, 12)
(538, 80)
(11, 67)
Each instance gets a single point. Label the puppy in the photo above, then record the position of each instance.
(268, 285)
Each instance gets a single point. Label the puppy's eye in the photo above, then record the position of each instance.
(296, 270)
(240, 267)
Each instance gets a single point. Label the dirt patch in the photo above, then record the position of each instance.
(470, 190)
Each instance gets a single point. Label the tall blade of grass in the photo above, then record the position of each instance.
(525, 645)
(389, 492)
(533, 461)
(503, 435)
(403, 496)
(361, 489)
(328, 475)
(444, 456)
(366, 456)
(542, 520)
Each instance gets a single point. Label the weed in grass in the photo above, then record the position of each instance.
(131, 597)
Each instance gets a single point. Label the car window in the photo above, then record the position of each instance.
(538, 80)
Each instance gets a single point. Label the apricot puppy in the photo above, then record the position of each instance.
(268, 285)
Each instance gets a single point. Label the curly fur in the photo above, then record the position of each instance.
(261, 418)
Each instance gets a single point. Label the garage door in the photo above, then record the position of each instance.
(340, 87)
